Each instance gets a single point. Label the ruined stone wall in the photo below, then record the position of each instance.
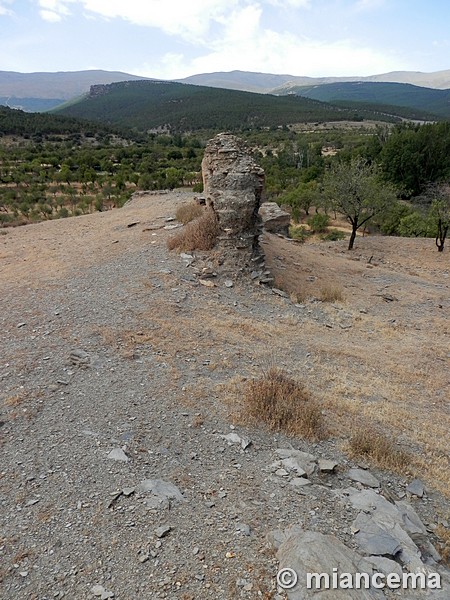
(233, 188)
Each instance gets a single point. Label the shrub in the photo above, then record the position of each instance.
(301, 234)
(199, 234)
(318, 223)
(414, 225)
(368, 442)
(283, 404)
(188, 212)
(295, 214)
(334, 235)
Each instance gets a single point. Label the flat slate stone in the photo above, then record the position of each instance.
(327, 466)
(416, 488)
(296, 460)
(312, 552)
(364, 477)
(161, 493)
(118, 454)
(300, 482)
(374, 539)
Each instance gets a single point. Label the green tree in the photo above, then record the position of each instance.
(415, 156)
(439, 213)
(355, 190)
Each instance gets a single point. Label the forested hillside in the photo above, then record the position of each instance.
(431, 103)
(18, 122)
(181, 107)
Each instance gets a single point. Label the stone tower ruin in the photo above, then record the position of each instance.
(233, 188)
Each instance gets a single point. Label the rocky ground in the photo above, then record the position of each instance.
(126, 471)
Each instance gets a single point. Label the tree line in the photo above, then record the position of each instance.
(394, 180)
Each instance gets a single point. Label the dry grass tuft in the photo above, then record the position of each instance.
(283, 404)
(443, 533)
(367, 442)
(15, 400)
(188, 212)
(331, 293)
(199, 234)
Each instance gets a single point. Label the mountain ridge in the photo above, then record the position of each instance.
(175, 106)
(253, 81)
(42, 91)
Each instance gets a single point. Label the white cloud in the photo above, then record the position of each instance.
(363, 5)
(247, 46)
(190, 20)
(290, 3)
(54, 11)
(4, 10)
(229, 34)
(50, 16)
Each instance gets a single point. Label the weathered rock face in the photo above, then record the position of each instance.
(233, 187)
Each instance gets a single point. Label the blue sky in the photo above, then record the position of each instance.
(176, 38)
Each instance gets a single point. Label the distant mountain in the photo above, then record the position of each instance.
(270, 83)
(28, 91)
(180, 107)
(44, 91)
(435, 102)
(244, 81)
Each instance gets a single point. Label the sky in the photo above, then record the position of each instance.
(170, 39)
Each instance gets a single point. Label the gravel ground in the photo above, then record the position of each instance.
(110, 344)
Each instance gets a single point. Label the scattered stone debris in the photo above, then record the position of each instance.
(79, 357)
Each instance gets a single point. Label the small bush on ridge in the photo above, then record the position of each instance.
(300, 234)
(331, 293)
(283, 404)
(334, 235)
(368, 442)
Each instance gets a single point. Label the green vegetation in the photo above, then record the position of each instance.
(54, 167)
(426, 103)
(414, 156)
(389, 179)
(333, 235)
(356, 191)
(318, 223)
(144, 105)
(300, 234)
